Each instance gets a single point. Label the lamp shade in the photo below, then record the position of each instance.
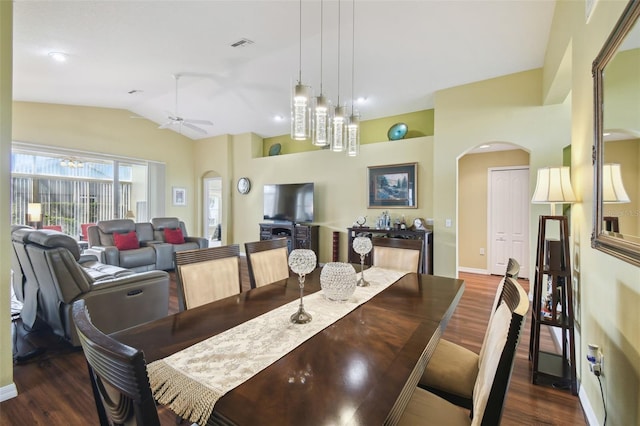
(553, 186)
(34, 210)
(130, 214)
(612, 186)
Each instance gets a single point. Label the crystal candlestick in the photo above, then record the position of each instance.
(302, 262)
(362, 246)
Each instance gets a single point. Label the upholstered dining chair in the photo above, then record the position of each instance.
(397, 253)
(207, 274)
(513, 269)
(452, 370)
(267, 261)
(118, 375)
(494, 373)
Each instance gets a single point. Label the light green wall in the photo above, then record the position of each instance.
(622, 92)
(340, 185)
(112, 131)
(419, 123)
(607, 290)
(504, 109)
(7, 388)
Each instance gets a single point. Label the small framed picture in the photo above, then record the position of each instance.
(393, 186)
(179, 196)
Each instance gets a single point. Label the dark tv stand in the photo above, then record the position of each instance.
(299, 236)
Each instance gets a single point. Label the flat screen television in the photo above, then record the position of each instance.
(289, 202)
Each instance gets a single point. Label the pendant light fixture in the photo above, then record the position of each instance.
(340, 116)
(321, 133)
(300, 102)
(353, 128)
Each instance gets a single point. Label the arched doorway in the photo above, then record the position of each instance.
(493, 208)
(212, 203)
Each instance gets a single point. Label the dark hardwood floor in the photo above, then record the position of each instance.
(54, 389)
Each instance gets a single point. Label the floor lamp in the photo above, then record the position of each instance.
(553, 294)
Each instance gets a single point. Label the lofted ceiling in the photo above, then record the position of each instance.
(404, 52)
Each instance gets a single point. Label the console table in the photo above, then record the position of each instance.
(426, 266)
(299, 236)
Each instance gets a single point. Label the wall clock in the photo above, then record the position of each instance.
(244, 185)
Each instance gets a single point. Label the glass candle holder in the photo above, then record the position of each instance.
(362, 246)
(338, 280)
(302, 262)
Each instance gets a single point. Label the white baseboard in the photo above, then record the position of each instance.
(8, 392)
(473, 270)
(592, 420)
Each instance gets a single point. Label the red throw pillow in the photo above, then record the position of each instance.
(173, 236)
(126, 241)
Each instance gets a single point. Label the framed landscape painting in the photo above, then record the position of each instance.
(393, 186)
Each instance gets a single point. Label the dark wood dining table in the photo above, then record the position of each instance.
(361, 370)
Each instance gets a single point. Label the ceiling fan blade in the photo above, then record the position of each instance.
(204, 122)
(192, 127)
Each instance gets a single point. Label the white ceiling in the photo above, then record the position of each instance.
(404, 52)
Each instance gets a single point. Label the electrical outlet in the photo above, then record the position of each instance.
(595, 359)
(481, 251)
(447, 223)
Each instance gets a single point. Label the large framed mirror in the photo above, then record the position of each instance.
(616, 77)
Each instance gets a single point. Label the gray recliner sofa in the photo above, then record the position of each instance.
(153, 252)
(149, 254)
(162, 224)
(118, 298)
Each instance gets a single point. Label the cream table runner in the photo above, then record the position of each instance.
(191, 381)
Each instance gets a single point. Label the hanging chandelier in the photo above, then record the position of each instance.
(71, 163)
(316, 118)
(339, 116)
(321, 135)
(300, 102)
(353, 128)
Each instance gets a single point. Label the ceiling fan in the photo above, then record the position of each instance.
(176, 120)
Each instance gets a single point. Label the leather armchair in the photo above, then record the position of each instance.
(148, 256)
(25, 284)
(63, 276)
(18, 277)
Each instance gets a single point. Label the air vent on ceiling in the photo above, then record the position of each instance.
(242, 42)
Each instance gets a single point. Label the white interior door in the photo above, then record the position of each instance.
(508, 218)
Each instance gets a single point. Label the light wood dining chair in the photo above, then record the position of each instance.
(207, 274)
(118, 375)
(400, 254)
(453, 369)
(267, 261)
(494, 373)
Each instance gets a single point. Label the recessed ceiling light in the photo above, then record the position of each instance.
(278, 118)
(485, 146)
(361, 100)
(58, 56)
(135, 91)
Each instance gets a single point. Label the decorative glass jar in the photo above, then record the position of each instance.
(338, 280)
